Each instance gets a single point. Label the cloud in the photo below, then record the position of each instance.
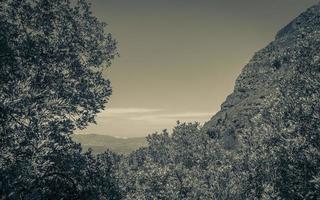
(152, 115)
(172, 117)
(127, 111)
(186, 115)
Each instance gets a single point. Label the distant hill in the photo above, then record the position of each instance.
(100, 143)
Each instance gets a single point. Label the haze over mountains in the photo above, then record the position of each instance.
(102, 143)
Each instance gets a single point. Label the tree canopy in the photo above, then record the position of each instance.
(52, 57)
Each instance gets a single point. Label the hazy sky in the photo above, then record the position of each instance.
(180, 58)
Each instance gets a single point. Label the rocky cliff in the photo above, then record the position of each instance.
(295, 47)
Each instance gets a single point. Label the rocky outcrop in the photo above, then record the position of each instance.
(264, 74)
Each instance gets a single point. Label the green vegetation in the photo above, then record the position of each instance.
(101, 143)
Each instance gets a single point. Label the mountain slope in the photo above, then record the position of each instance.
(295, 47)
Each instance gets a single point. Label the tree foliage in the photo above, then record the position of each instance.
(52, 56)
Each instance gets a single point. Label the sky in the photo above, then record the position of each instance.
(179, 59)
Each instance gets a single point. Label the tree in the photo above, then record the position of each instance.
(52, 57)
(186, 164)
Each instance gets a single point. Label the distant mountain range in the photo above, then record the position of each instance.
(100, 143)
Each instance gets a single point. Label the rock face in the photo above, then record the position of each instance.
(262, 76)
